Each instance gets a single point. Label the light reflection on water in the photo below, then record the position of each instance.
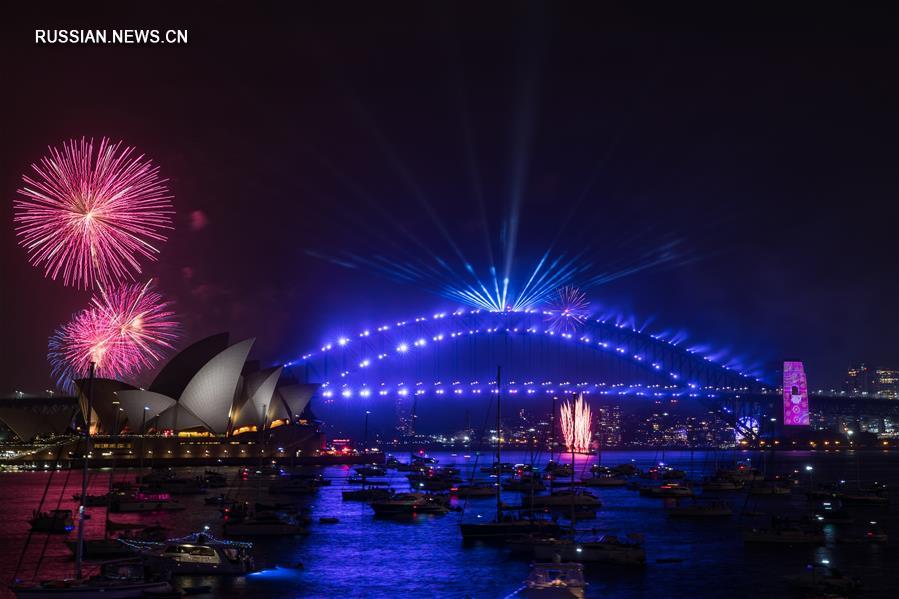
(424, 556)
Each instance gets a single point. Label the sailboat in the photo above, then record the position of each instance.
(116, 580)
(504, 526)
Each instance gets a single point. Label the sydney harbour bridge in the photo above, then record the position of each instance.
(453, 355)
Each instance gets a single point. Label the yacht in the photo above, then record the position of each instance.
(701, 509)
(568, 498)
(524, 483)
(667, 490)
(142, 501)
(265, 524)
(555, 580)
(116, 580)
(197, 554)
(607, 549)
(54, 521)
(474, 490)
(371, 470)
(721, 484)
(408, 504)
(508, 527)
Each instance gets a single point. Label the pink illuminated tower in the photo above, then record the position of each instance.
(795, 394)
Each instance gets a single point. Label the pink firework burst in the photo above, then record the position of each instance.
(89, 217)
(569, 310)
(577, 424)
(124, 330)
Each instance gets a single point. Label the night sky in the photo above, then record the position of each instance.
(758, 152)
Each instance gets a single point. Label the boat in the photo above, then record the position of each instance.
(198, 553)
(53, 521)
(361, 480)
(667, 490)
(265, 524)
(142, 501)
(608, 549)
(101, 549)
(474, 490)
(370, 494)
(214, 480)
(504, 526)
(623, 469)
(116, 580)
(721, 484)
(863, 498)
(701, 509)
(404, 504)
(555, 579)
(823, 579)
(604, 480)
(371, 470)
(832, 512)
(569, 498)
(769, 488)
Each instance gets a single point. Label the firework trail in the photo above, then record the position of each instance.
(576, 421)
(123, 331)
(569, 310)
(89, 218)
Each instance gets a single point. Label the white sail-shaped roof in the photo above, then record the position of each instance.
(210, 392)
(297, 397)
(179, 418)
(259, 388)
(134, 402)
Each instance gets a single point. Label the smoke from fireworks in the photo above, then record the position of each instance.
(90, 217)
(569, 310)
(577, 428)
(123, 331)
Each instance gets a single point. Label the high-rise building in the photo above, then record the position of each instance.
(886, 383)
(858, 380)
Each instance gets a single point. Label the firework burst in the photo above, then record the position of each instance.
(88, 218)
(569, 310)
(124, 330)
(577, 426)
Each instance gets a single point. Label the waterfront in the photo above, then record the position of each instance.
(363, 556)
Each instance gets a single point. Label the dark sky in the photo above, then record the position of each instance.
(764, 144)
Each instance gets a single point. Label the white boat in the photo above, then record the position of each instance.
(198, 553)
(117, 580)
(607, 549)
(667, 490)
(265, 524)
(701, 509)
(409, 504)
(551, 580)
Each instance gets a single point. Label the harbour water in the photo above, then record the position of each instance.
(424, 556)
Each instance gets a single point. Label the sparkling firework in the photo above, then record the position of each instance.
(90, 217)
(577, 426)
(569, 310)
(123, 331)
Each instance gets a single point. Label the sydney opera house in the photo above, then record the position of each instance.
(207, 403)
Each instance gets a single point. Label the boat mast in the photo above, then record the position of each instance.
(572, 476)
(499, 442)
(79, 548)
